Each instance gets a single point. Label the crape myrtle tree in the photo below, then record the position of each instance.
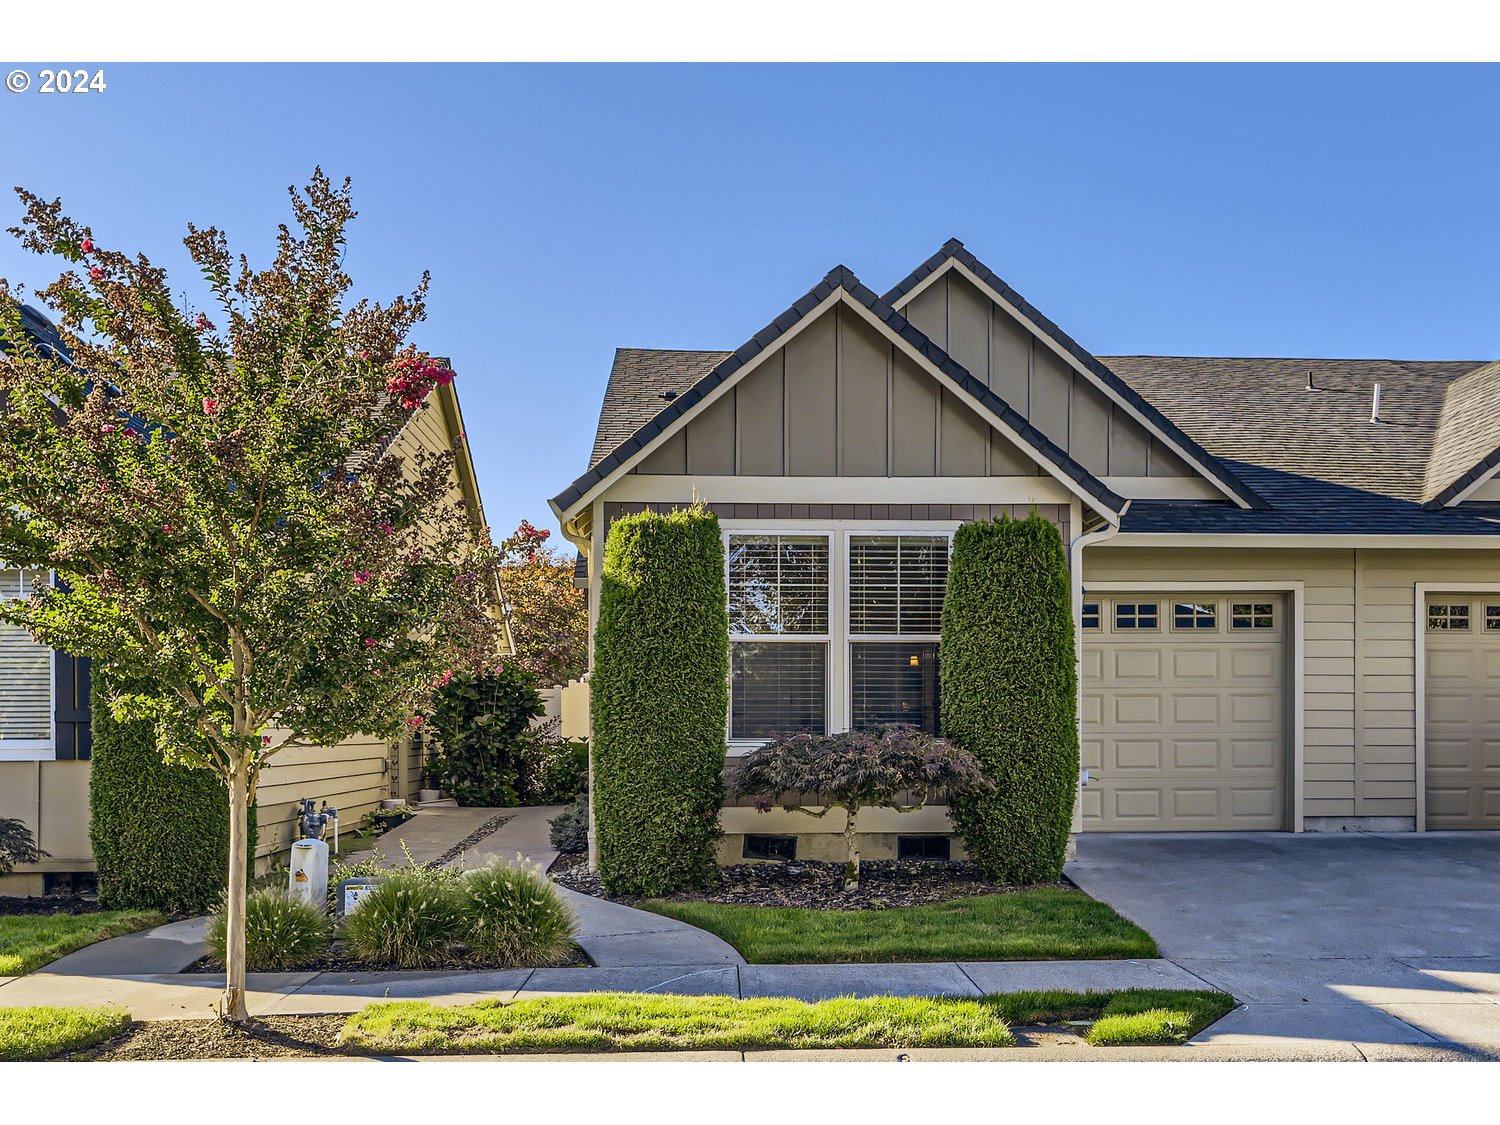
(228, 534)
(549, 615)
(873, 768)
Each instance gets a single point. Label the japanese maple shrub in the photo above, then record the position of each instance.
(889, 767)
(1009, 694)
(660, 701)
(240, 545)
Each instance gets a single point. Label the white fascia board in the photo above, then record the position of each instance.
(703, 404)
(1476, 486)
(1062, 353)
(978, 407)
(838, 490)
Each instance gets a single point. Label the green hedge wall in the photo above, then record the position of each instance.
(160, 832)
(660, 698)
(1009, 694)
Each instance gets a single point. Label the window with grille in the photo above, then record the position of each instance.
(1252, 615)
(1448, 618)
(1090, 618)
(778, 625)
(896, 585)
(25, 673)
(1195, 615)
(1136, 615)
(1491, 618)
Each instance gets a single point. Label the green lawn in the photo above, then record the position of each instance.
(628, 1021)
(34, 1034)
(29, 941)
(1039, 924)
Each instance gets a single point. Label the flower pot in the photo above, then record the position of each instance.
(426, 795)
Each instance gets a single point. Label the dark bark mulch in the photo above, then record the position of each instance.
(812, 884)
(272, 1037)
(50, 904)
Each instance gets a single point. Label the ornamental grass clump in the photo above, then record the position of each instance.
(281, 933)
(515, 917)
(411, 920)
(853, 770)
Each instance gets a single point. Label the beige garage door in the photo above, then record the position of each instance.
(1463, 711)
(1184, 712)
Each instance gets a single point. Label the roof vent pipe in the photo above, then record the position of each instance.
(1310, 386)
(1375, 405)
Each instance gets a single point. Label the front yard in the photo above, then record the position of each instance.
(29, 941)
(1050, 923)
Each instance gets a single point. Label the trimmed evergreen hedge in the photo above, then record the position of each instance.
(1009, 694)
(660, 695)
(160, 832)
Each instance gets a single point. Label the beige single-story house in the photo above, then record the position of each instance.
(1286, 571)
(45, 717)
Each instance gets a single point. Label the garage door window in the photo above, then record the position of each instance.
(1195, 615)
(1090, 619)
(1252, 615)
(1492, 618)
(1453, 618)
(1136, 615)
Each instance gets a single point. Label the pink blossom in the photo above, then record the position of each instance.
(203, 324)
(109, 429)
(369, 642)
(87, 246)
(265, 740)
(96, 273)
(210, 405)
(167, 528)
(414, 722)
(385, 526)
(361, 577)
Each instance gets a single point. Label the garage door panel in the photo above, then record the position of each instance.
(1188, 724)
(1462, 717)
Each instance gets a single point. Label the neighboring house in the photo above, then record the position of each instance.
(1288, 608)
(44, 715)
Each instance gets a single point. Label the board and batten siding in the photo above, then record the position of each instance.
(1359, 670)
(1026, 372)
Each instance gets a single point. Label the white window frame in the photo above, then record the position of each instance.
(35, 749)
(840, 692)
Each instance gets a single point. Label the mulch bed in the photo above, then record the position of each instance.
(50, 904)
(272, 1037)
(812, 884)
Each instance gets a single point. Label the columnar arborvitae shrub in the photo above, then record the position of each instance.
(1009, 697)
(160, 832)
(660, 700)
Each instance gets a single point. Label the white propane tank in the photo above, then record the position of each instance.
(308, 878)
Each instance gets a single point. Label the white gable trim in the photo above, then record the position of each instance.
(1062, 353)
(839, 295)
(1481, 489)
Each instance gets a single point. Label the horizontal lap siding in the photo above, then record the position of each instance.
(1331, 780)
(351, 776)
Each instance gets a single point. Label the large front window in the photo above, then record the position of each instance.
(25, 674)
(834, 631)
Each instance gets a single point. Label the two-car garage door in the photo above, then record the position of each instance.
(1185, 712)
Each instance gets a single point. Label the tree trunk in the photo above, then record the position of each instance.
(234, 901)
(851, 845)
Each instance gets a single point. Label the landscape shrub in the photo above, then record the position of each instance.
(281, 933)
(817, 773)
(411, 920)
(557, 769)
(515, 918)
(160, 832)
(17, 845)
(660, 700)
(569, 831)
(1008, 685)
(480, 724)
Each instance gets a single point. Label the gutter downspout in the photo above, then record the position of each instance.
(1075, 565)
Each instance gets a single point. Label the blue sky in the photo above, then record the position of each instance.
(563, 211)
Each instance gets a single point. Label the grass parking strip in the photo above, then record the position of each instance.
(35, 1034)
(29, 941)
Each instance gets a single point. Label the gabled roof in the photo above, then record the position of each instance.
(953, 250)
(1467, 447)
(840, 279)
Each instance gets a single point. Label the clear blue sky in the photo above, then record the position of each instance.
(564, 211)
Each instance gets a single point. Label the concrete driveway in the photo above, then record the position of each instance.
(1375, 940)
